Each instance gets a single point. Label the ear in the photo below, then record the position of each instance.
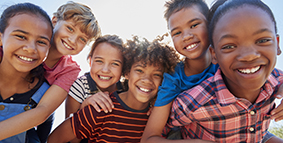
(127, 76)
(89, 61)
(278, 47)
(213, 56)
(54, 21)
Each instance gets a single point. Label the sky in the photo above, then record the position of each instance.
(132, 17)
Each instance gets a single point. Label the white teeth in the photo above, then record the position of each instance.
(104, 77)
(144, 90)
(191, 46)
(25, 58)
(67, 46)
(249, 71)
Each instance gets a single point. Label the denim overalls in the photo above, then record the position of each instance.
(8, 110)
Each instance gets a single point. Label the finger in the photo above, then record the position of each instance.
(102, 104)
(279, 96)
(108, 99)
(279, 118)
(96, 107)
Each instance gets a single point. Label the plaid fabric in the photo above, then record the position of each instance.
(210, 112)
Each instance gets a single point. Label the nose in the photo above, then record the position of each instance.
(248, 53)
(105, 68)
(147, 79)
(30, 47)
(72, 39)
(187, 35)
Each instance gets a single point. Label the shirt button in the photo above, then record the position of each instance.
(252, 129)
(2, 107)
(252, 112)
(11, 98)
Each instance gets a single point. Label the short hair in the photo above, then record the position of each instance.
(81, 15)
(174, 6)
(229, 5)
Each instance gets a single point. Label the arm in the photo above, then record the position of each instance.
(63, 133)
(50, 101)
(99, 100)
(277, 113)
(71, 106)
(155, 125)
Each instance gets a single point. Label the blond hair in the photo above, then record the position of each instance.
(81, 15)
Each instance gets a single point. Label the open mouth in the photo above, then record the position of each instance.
(25, 58)
(144, 89)
(67, 46)
(249, 70)
(104, 77)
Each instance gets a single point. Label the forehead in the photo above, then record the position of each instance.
(32, 23)
(184, 15)
(247, 19)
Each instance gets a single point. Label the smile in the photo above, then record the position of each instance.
(144, 89)
(67, 46)
(104, 77)
(25, 58)
(250, 70)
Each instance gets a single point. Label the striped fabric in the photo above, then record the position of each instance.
(210, 112)
(121, 125)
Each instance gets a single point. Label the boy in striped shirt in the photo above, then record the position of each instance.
(144, 67)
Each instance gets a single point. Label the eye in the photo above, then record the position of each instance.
(228, 47)
(98, 61)
(70, 29)
(139, 70)
(83, 40)
(42, 42)
(195, 25)
(158, 75)
(21, 37)
(263, 41)
(176, 33)
(116, 64)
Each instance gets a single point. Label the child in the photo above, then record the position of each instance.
(106, 62)
(187, 22)
(26, 32)
(74, 26)
(234, 105)
(144, 66)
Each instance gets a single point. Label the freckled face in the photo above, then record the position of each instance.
(245, 47)
(25, 42)
(189, 32)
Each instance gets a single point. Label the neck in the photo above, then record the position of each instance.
(127, 99)
(53, 57)
(197, 66)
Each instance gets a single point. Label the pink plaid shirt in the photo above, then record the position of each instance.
(210, 112)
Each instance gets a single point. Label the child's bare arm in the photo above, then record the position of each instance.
(71, 106)
(62, 134)
(51, 100)
(100, 100)
(274, 139)
(277, 113)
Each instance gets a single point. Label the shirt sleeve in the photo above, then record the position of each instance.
(63, 74)
(83, 122)
(77, 90)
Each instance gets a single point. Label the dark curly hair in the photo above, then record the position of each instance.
(149, 53)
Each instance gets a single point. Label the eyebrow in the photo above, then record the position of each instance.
(18, 30)
(113, 60)
(192, 20)
(255, 33)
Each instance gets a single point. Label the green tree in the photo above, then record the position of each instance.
(277, 131)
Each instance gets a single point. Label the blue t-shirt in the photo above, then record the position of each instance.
(175, 83)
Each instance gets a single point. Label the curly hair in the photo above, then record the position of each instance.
(82, 15)
(150, 53)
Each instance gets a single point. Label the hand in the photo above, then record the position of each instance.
(277, 113)
(100, 100)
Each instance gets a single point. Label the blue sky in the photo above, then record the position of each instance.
(132, 17)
